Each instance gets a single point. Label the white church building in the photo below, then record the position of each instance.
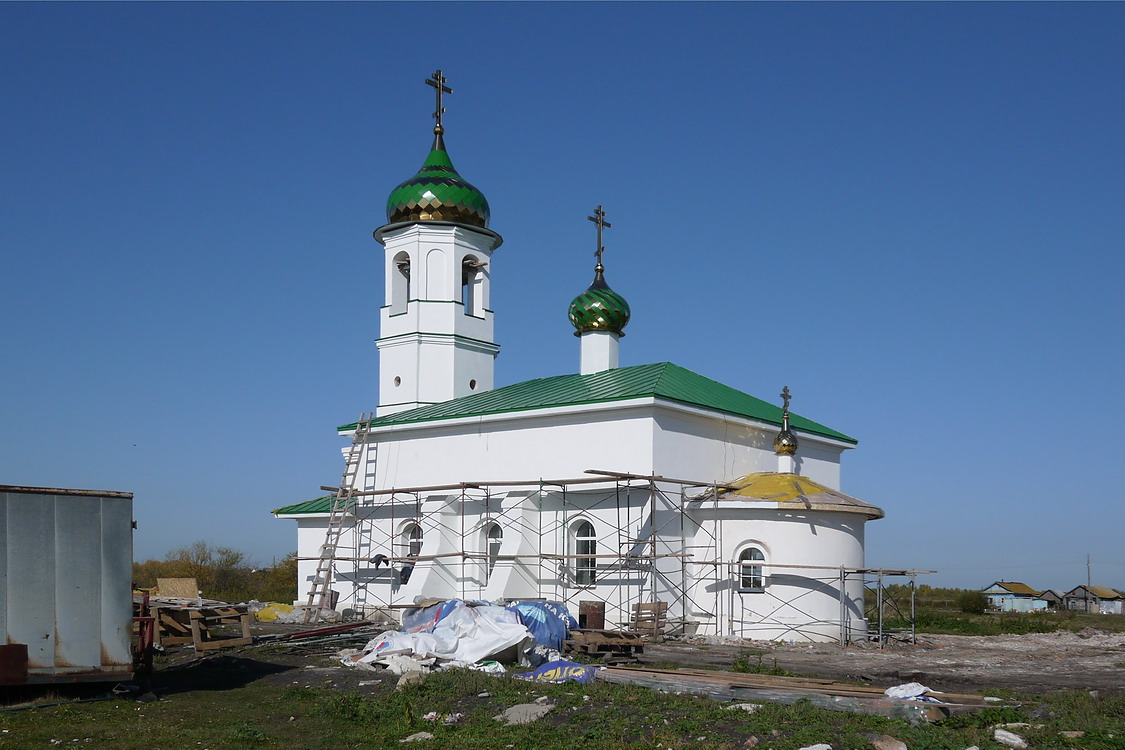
(603, 489)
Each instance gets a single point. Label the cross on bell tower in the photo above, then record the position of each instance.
(599, 219)
(438, 82)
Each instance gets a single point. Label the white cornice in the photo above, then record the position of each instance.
(624, 405)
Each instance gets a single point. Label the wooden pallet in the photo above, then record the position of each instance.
(204, 640)
(650, 620)
(173, 626)
(612, 645)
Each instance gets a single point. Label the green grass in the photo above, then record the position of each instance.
(938, 611)
(275, 713)
(744, 663)
(1006, 623)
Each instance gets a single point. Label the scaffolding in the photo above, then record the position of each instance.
(653, 545)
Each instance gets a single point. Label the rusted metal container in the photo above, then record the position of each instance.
(591, 614)
(65, 585)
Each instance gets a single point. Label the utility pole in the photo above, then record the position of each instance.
(1087, 570)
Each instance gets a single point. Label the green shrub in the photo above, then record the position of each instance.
(972, 602)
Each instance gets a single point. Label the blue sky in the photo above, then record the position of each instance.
(912, 214)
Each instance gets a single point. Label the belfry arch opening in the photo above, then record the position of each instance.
(472, 285)
(400, 282)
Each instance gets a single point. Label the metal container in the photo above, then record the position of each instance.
(65, 585)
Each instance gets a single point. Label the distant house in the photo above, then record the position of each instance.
(1012, 596)
(1096, 599)
(1053, 598)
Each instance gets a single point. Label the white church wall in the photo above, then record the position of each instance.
(310, 537)
(473, 374)
(516, 572)
(819, 462)
(553, 446)
(709, 448)
(692, 444)
(796, 603)
(642, 437)
(538, 558)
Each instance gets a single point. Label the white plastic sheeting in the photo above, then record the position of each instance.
(467, 634)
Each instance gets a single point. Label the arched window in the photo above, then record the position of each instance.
(400, 283)
(494, 536)
(472, 286)
(750, 576)
(585, 543)
(412, 540)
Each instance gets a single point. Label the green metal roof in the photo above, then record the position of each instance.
(320, 505)
(662, 380)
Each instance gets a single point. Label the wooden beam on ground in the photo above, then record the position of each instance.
(776, 689)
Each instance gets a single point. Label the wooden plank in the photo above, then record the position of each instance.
(610, 638)
(186, 588)
(814, 683)
(915, 713)
(171, 623)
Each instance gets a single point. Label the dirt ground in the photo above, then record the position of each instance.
(1033, 663)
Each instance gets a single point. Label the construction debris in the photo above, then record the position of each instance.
(836, 696)
(455, 633)
(560, 671)
(614, 646)
(524, 713)
(1009, 739)
(418, 737)
(181, 620)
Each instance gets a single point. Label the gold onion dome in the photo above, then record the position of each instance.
(599, 308)
(785, 444)
(438, 193)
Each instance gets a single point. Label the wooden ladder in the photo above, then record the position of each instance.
(342, 504)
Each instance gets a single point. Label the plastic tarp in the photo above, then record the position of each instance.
(560, 671)
(424, 619)
(459, 632)
(910, 691)
(547, 621)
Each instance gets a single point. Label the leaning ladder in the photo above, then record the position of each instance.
(341, 505)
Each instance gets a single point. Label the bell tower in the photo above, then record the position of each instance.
(436, 339)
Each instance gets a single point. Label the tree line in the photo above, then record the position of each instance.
(223, 573)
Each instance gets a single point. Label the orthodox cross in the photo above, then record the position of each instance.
(438, 82)
(599, 219)
(785, 396)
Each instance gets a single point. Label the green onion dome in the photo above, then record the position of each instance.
(438, 193)
(599, 308)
